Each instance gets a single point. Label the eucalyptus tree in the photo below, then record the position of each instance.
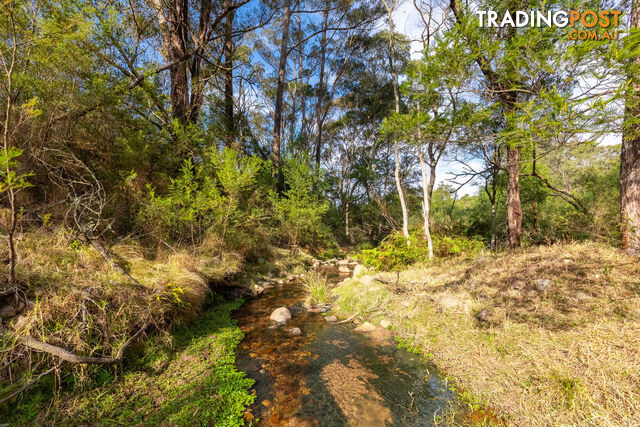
(536, 77)
(630, 154)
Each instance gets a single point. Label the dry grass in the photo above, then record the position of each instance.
(80, 303)
(568, 355)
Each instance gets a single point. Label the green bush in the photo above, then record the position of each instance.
(208, 197)
(393, 252)
(300, 209)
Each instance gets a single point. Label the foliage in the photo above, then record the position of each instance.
(299, 210)
(204, 198)
(393, 253)
(317, 286)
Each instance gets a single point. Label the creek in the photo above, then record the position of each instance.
(331, 375)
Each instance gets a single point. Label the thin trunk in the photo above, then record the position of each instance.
(320, 89)
(6, 144)
(346, 220)
(630, 155)
(514, 208)
(282, 69)
(492, 199)
(396, 95)
(426, 203)
(228, 79)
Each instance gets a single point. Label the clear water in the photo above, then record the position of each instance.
(331, 375)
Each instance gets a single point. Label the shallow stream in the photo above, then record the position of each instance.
(331, 375)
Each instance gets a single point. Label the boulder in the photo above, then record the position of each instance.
(367, 280)
(331, 318)
(291, 278)
(344, 269)
(280, 282)
(543, 284)
(365, 327)
(385, 323)
(294, 332)
(343, 262)
(281, 315)
(359, 270)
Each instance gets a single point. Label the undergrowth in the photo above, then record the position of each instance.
(185, 377)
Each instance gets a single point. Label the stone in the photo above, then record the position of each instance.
(291, 278)
(256, 289)
(359, 270)
(331, 318)
(581, 296)
(543, 284)
(453, 303)
(406, 303)
(365, 327)
(484, 315)
(294, 332)
(281, 315)
(315, 264)
(344, 269)
(519, 285)
(343, 262)
(385, 323)
(280, 282)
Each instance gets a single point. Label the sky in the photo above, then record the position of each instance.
(408, 22)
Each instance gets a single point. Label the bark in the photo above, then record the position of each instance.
(507, 98)
(514, 208)
(320, 88)
(228, 79)
(427, 188)
(630, 153)
(396, 95)
(6, 144)
(282, 69)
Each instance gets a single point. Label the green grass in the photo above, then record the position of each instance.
(186, 377)
(317, 286)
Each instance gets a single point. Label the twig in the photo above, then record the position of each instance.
(29, 384)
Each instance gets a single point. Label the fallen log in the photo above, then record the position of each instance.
(68, 356)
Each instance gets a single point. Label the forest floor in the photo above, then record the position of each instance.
(182, 369)
(544, 336)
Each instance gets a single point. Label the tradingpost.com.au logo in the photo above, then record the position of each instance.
(589, 19)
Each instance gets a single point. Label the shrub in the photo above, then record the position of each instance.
(393, 252)
(300, 209)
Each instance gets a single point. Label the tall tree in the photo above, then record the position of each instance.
(282, 72)
(630, 153)
(390, 7)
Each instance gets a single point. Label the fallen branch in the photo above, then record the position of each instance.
(74, 358)
(29, 384)
(348, 319)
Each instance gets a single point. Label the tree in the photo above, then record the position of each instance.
(630, 152)
(390, 6)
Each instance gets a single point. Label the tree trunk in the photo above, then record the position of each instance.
(282, 69)
(426, 201)
(396, 95)
(320, 88)
(492, 199)
(630, 153)
(514, 208)
(228, 79)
